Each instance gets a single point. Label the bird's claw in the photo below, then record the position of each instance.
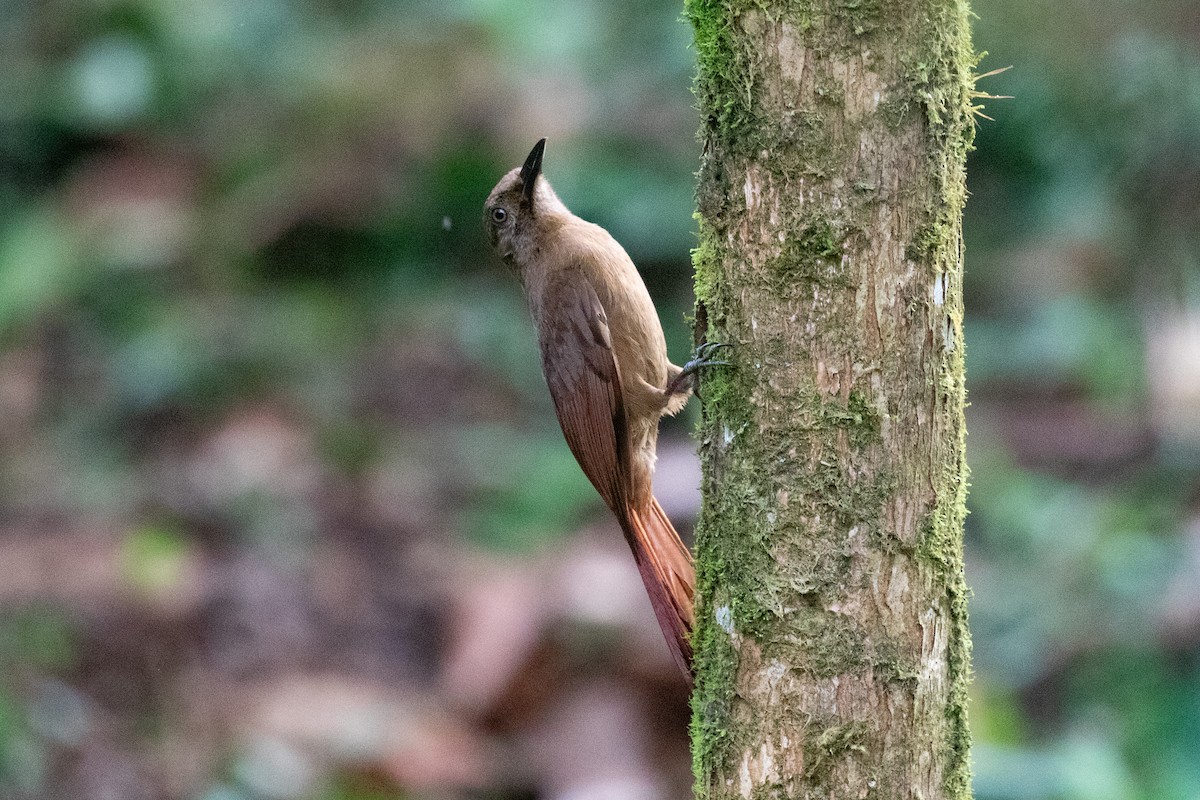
(704, 350)
(701, 357)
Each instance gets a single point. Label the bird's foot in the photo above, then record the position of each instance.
(701, 357)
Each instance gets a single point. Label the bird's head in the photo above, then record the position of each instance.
(519, 200)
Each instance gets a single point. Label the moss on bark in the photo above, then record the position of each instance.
(832, 646)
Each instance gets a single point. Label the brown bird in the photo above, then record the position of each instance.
(605, 361)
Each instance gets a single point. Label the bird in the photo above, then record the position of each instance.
(605, 361)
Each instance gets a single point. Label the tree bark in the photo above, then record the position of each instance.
(832, 645)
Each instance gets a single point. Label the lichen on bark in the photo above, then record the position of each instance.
(832, 646)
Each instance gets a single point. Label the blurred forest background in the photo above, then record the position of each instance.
(284, 511)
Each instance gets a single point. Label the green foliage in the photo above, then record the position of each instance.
(719, 88)
(39, 263)
(510, 511)
(359, 790)
(41, 636)
(153, 557)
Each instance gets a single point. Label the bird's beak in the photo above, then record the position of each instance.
(531, 170)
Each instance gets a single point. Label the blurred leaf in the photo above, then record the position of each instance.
(1093, 768)
(1148, 705)
(221, 791)
(528, 488)
(1064, 339)
(153, 557)
(40, 637)
(22, 759)
(1058, 567)
(1003, 773)
(493, 328)
(360, 788)
(273, 768)
(996, 716)
(114, 82)
(39, 263)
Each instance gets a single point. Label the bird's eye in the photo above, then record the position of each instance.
(499, 215)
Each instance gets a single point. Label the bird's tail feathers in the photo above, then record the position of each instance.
(669, 575)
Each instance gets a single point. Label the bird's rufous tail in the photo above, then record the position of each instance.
(669, 575)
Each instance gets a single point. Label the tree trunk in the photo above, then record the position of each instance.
(832, 645)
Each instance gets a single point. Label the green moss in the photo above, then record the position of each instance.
(890, 665)
(896, 110)
(729, 578)
(706, 265)
(826, 644)
(825, 744)
(725, 86)
(743, 564)
(858, 416)
(713, 196)
(861, 16)
(929, 239)
(726, 398)
(941, 547)
(802, 133)
(815, 255)
(830, 91)
(716, 667)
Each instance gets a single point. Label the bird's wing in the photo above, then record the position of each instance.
(581, 371)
